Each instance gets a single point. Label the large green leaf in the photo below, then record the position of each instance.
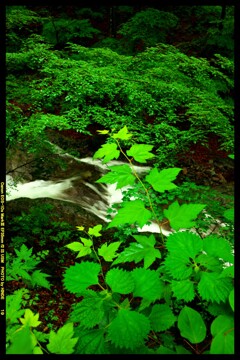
(183, 289)
(185, 244)
(140, 152)
(144, 250)
(91, 342)
(129, 329)
(218, 247)
(107, 152)
(62, 342)
(161, 317)
(178, 266)
(181, 216)
(120, 174)
(120, 281)
(80, 276)
(162, 181)
(213, 287)
(191, 325)
(21, 342)
(131, 212)
(88, 312)
(147, 284)
(222, 329)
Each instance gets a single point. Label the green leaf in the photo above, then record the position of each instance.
(181, 216)
(103, 132)
(131, 212)
(120, 174)
(88, 312)
(13, 306)
(229, 214)
(83, 249)
(122, 134)
(162, 181)
(140, 152)
(209, 262)
(183, 289)
(191, 325)
(144, 250)
(108, 251)
(95, 230)
(128, 329)
(107, 152)
(91, 342)
(147, 284)
(120, 281)
(62, 342)
(184, 244)
(231, 299)
(39, 278)
(161, 317)
(222, 329)
(231, 156)
(214, 288)
(218, 247)
(80, 276)
(164, 350)
(179, 267)
(21, 342)
(30, 319)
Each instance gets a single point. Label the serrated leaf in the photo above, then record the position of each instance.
(214, 288)
(147, 284)
(162, 181)
(120, 281)
(228, 272)
(95, 230)
(91, 342)
(108, 251)
(231, 299)
(161, 317)
(80, 276)
(209, 263)
(140, 152)
(128, 329)
(107, 152)
(218, 247)
(191, 325)
(131, 212)
(83, 249)
(13, 306)
(183, 289)
(144, 250)
(89, 312)
(120, 174)
(30, 319)
(185, 244)
(229, 214)
(39, 278)
(182, 216)
(222, 329)
(179, 267)
(122, 134)
(62, 342)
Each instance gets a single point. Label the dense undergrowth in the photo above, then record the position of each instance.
(145, 295)
(109, 289)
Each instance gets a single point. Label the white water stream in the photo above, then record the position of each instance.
(63, 189)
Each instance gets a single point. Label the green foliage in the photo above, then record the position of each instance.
(23, 266)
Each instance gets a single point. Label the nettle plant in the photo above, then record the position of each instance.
(130, 308)
(150, 295)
